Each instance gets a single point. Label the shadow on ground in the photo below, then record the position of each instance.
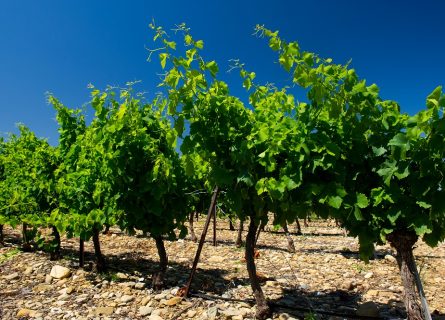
(336, 304)
(297, 302)
(209, 280)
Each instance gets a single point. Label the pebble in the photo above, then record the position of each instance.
(271, 283)
(390, 258)
(174, 291)
(173, 301)
(145, 310)
(28, 271)
(26, 313)
(160, 296)
(145, 300)
(42, 287)
(157, 311)
(80, 273)
(304, 286)
(60, 272)
(284, 269)
(369, 275)
(48, 279)
(82, 299)
(121, 276)
(191, 313)
(139, 285)
(11, 276)
(63, 297)
(212, 313)
(372, 293)
(126, 298)
(230, 312)
(348, 285)
(128, 284)
(105, 311)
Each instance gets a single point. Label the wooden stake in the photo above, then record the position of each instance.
(201, 241)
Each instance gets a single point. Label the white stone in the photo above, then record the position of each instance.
(11, 276)
(212, 313)
(60, 272)
(390, 258)
(191, 313)
(160, 296)
(145, 310)
(126, 298)
(157, 312)
(139, 285)
(121, 276)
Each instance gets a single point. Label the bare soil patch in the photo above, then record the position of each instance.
(324, 278)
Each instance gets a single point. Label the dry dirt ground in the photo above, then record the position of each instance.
(323, 279)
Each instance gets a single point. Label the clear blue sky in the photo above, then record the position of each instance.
(61, 46)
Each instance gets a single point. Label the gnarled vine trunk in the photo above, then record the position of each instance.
(81, 253)
(263, 309)
(298, 228)
(107, 229)
(2, 242)
(403, 242)
(261, 228)
(305, 222)
(239, 236)
(158, 277)
(55, 254)
(192, 230)
(231, 226)
(100, 260)
(26, 246)
(290, 241)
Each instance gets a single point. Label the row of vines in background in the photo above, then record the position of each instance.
(340, 152)
(121, 169)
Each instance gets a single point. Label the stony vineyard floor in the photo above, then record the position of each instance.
(324, 279)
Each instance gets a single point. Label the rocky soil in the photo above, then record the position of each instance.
(323, 279)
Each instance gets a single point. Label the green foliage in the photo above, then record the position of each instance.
(83, 184)
(148, 179)
(122, 168)
(27, 180)
(344, 152)
(390, 165)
